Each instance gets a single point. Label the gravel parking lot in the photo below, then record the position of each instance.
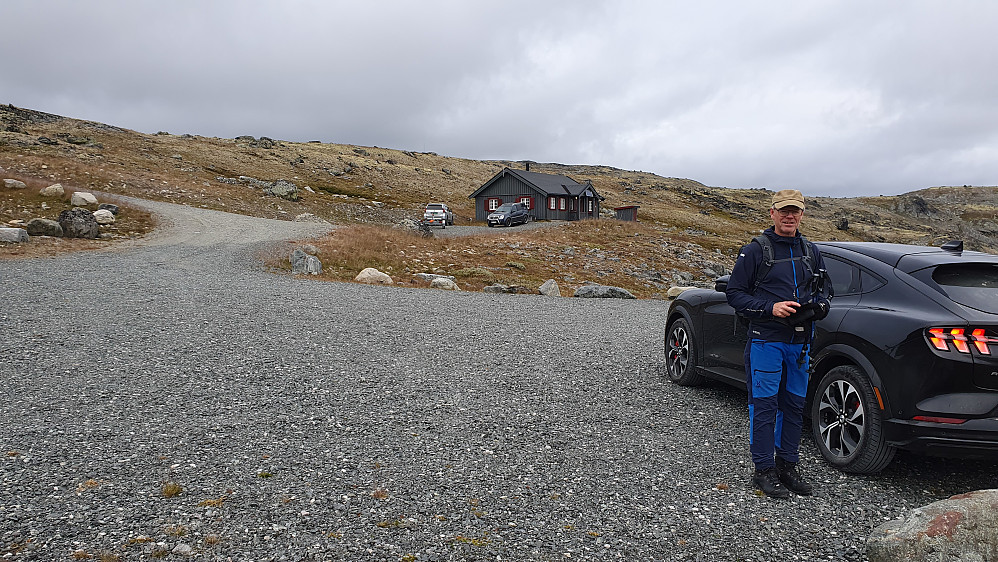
(304, 420)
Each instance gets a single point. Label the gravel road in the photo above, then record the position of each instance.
(306, 420)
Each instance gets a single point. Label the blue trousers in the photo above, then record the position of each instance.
(777, 383)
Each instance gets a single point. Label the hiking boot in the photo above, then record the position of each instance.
(792, 479)
(769, 482)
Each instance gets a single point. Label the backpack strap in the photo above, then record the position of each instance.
(767, 260)
(768, 255)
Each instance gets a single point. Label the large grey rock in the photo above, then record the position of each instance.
(372, 276)
(431, 276)
(78, 223)
(603, 292)
(961, 528)
(283, 189)
(302, 262)
(509, 289)
(445, 284)
(676, 291)
(109, 207)
(43, 227)
(550, 288)
(14, 184)
(54, 190)
(83, 199)
(13, 235)
(103, 216)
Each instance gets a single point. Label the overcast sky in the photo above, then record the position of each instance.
(835, 98)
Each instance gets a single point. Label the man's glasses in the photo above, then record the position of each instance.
(790, 212)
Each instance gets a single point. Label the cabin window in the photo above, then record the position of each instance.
(561, 203)
(492, 203)
(527, 201)
(552, 203)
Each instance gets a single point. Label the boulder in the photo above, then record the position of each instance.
(550, 289)
(78, 223)
(14, 184)
(108, 206)
(13, 235)
(283, 189)
(602, 292)
(83, 199)
(445, 284)
(372, 276)
(676, 291)
(302, 262)
(43, 227)
(431, 276)
(308, 217)
(961, 528)
(103, 216)
(54, 190)
(509, 289)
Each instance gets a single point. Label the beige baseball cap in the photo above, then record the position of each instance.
(787, 198)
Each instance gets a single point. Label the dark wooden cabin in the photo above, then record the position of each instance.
(547, 196)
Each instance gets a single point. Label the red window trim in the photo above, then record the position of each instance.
(530, 201)
(489, 200)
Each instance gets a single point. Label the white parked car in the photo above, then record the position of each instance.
(438, 214)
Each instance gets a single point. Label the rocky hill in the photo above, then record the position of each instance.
(345, 184)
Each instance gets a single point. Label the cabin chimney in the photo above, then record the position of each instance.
(527, 162)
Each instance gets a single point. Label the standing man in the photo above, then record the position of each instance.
(773, 285)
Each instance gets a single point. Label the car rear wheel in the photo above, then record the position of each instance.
(847, 422)
(680, 354)
(509, 221)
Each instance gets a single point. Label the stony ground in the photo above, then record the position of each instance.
(171, 399)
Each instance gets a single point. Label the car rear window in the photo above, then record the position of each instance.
(974, 285)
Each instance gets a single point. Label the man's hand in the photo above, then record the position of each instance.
(783, 309)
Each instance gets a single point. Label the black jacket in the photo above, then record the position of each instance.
(786, 281)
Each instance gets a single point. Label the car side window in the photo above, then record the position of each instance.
(870, 282)
(845, 276)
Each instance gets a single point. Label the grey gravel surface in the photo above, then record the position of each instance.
(305, 420)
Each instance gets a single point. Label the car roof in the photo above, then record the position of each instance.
(907, 257)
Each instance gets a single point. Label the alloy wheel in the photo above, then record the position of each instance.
(678, 351)
(841, 418)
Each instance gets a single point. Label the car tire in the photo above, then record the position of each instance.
(680, 354)
(847, 422)
(509, 221)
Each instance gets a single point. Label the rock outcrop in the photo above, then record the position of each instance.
(961, 528)
(550, 288)
(603, 292)
(83, 199)
(78, 223)
(302, 262)
(43, 227)
(372, 276)
(54, 190)
(13, 235)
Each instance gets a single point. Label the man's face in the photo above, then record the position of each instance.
(786, 220)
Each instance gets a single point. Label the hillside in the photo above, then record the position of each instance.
(687, 231)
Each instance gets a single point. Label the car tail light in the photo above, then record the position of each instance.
(961, 340)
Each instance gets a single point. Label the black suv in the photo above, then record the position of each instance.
(509, 214)
(905, 358)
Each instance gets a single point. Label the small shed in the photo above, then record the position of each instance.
(546, 196)
(626, 213)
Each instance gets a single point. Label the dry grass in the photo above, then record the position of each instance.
(603, 251)
(171, 489)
